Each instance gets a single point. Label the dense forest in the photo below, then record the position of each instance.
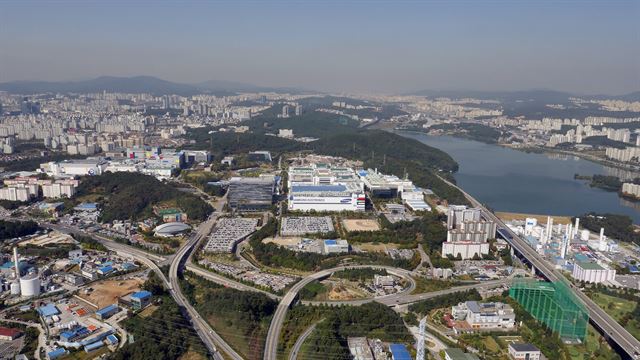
(165, 335)
(619, 227)
(472, 131)
(357, 274)
(13, 229)
(131, 196)
(425, 306)
(242, 317)
(372, 320)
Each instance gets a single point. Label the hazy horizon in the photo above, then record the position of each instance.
(583, 47)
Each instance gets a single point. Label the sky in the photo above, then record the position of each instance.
(373, 46)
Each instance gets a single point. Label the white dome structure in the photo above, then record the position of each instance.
(171, 229)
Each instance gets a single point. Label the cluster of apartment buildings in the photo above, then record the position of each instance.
(26, 188)
(468, 232)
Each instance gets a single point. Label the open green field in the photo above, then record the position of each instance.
(618, 308)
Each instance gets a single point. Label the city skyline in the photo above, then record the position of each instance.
(360, 46)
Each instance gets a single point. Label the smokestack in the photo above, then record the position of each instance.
(15, 262)
(601, 234)
(575, 230)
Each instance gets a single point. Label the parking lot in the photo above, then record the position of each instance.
(298, 226)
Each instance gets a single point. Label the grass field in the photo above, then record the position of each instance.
(618, 308)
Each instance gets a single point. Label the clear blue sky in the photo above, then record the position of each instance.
(380, 46)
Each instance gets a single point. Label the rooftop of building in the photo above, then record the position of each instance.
(523, 347)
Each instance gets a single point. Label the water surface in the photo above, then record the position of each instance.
(515, 181)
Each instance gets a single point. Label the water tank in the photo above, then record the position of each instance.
(15, 288)
(584, 235)
(30, 285)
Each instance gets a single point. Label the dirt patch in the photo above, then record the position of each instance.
(360, 225)
(542, 219)
(107, 292)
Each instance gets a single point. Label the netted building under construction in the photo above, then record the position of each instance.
(555, 305)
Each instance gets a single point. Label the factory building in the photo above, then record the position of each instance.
(322, 187)
(467, 233)
(251, 194)
(343, 197)
(592, 272)
(92, 166)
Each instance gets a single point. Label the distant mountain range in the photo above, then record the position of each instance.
(545, 96)
(137, 84)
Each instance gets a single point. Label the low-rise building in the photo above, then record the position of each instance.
(484, 316)
(335, 246)
(524, 352)
(9, 334)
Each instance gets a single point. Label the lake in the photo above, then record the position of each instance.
(515, 181)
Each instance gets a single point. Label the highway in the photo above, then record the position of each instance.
(404, 297)
(212, 340)
(609, 327)
(293, 355)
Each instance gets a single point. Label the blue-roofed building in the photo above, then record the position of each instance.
(9, 267)
(105, 270)
(112, 339)
(56, 353)
(93, 346)
(399, 352)
(48, 310)
(107, 311)
(74, 334)
(86, 207)
(128, 266)
(140, 299)
(335, 246)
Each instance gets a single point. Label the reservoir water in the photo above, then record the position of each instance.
(515, 181)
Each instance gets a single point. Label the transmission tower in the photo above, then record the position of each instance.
(420, 352)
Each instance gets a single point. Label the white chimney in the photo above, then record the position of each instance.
(16, 263)
(575, 230)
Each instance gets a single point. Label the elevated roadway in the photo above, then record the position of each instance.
(627, 344)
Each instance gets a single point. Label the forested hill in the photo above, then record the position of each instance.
(389, 152)
(393, 154)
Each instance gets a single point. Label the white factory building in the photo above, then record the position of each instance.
(340, 197)
(321, 187)
(592, 272)
(72, 168)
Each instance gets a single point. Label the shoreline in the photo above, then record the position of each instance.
(540, 150)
